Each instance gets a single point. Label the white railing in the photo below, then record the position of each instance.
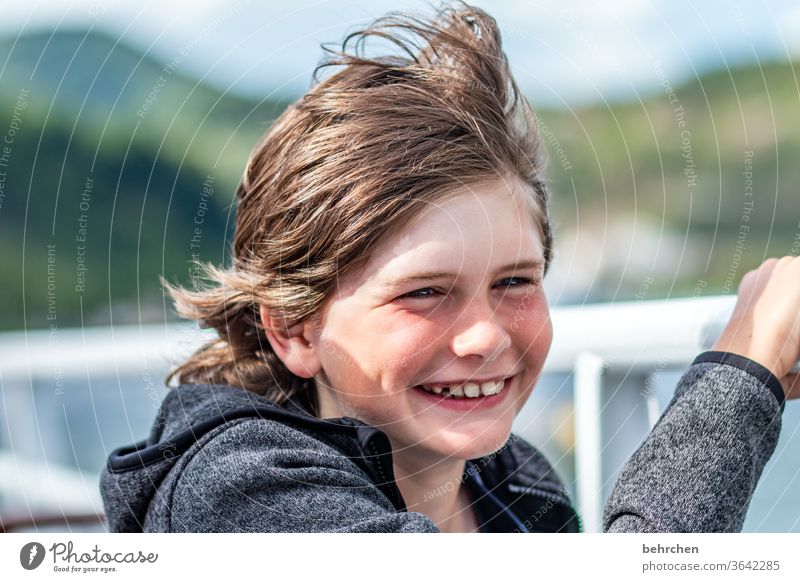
(612, 351)
(616, 352)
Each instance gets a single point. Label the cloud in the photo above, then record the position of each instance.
(561, 50)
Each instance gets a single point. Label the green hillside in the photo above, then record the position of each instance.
(710, 164)
(147, 139)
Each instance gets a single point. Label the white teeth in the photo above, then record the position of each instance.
(468, 390)
(491, 388)
(472, 390)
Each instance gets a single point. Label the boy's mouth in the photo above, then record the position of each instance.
(465, 391)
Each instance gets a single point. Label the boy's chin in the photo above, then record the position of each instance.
(467, 448)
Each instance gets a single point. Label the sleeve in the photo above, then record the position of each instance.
(697, 469)
(259, 476)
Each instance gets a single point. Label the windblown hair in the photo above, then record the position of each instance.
(358, 157)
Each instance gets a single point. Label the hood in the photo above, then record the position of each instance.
(132, 475)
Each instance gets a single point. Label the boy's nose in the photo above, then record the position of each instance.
(479, 332)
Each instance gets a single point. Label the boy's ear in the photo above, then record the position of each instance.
(292, 344)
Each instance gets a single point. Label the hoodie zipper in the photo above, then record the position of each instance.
(390, 485)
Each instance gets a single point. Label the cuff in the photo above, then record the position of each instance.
(761, 373)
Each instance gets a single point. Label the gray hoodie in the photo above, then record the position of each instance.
(221, 459)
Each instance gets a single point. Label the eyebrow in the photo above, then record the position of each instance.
(433, 275)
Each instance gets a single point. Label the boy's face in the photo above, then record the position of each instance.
(489, 320)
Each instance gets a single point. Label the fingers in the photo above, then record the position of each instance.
(765, 325)
(761, 273)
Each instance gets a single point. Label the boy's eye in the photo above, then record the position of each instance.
(426, 292)
(420, 293)
(521, 281)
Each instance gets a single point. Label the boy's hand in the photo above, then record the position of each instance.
(765, 325)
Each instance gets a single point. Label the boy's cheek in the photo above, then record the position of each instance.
(537, 340)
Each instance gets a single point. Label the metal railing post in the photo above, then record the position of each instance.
(588, 384)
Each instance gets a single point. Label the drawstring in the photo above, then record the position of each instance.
(473, 472)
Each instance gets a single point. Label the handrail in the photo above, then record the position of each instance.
(664, 328)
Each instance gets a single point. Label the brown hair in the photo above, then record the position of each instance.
(360, 155)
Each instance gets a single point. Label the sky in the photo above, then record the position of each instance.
(562, 52)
